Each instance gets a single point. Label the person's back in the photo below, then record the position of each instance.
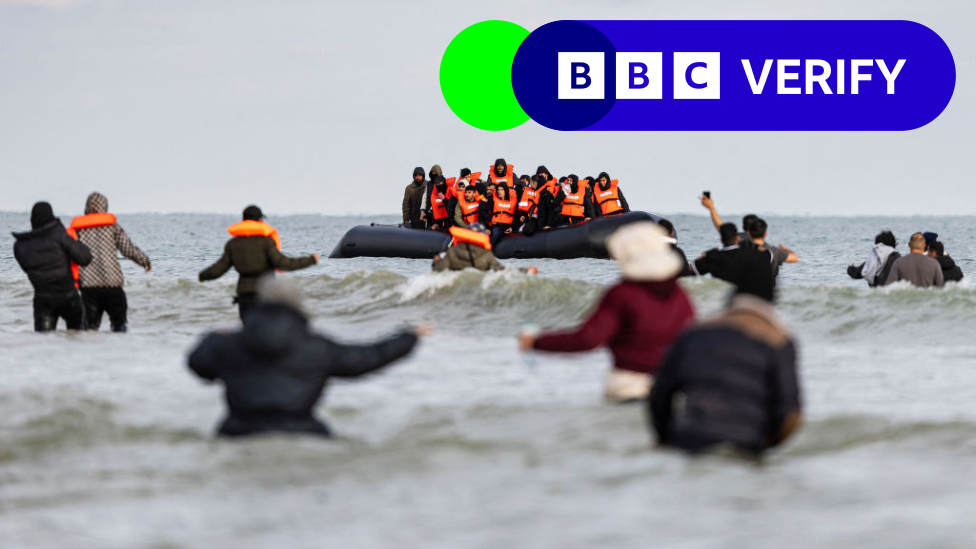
(465, 255)
(950, 271)
(732, 379)
(916, 267)
(275, 369)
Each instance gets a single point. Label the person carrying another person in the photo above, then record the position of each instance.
(609, 198)
(638, 318)
(950, 271)
(102, 280)
(471, 249)
(572, 205)
(439, 220)
(916, 267)
(501, 173)
(413, 198)
(502, 213)
(276, 368)
(730, 381)
(878, 264)
(747, 219)
(253, 252)
(50, 257)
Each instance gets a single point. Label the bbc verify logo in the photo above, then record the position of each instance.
(750, 75)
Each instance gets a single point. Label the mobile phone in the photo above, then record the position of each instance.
(707, 194)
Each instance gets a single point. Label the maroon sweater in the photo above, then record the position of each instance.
(637, 320)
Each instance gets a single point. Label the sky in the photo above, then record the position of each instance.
(315, 106)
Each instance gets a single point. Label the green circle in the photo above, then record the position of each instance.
(476, 75)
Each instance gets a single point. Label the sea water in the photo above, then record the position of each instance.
(106, 440)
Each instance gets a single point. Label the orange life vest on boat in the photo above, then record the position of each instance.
(438, 205)
(250, 227)
(608, 200)
(508, 179)
(573, 202)
(87, 221)
(469, 210)
(472, 237)
(503, 211)
(529, 200)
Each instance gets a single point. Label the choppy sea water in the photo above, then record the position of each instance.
(106, 440)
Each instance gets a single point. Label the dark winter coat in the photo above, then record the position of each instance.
(413, 200)
(251, 257)
(950, 271)
(466, 255)
(46, 253)
(275, 370)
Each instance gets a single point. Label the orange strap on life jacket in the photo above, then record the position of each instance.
(503, 211)
(87, 221)
(573, 203)
(249, 227)
(530, 198)
(472, 237)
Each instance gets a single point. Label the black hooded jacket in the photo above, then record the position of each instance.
(275, 370)
(46, 254)
(950, 271)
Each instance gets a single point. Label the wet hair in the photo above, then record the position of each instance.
(887, 238)
(937, 248)
(757, 229)
(747, 220)
(728, 233)
(668, 226)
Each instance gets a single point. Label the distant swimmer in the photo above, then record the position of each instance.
(950, 271)
(730, 381)
(637, 319)
(50, 257)
(413, 198)
(471, 249)
(877, 266)
(572, 204)
(275, 370)
(916, 267)
(254, 251)
(609, 198)
(102, 280)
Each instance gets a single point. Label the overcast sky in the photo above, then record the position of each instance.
(312, 106)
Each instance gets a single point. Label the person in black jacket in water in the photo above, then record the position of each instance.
(950, 271)
(275, 370)
(46, 253)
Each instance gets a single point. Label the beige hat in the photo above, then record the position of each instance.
(280, 291)
(643, 252)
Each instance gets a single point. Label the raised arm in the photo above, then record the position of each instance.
(708, 204)
(346, 360)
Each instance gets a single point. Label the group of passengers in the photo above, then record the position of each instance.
(926, 264)
(505, 202)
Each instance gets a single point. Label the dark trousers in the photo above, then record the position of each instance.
(498, 233)
(48, 307)
(244, 303)
(105, 300)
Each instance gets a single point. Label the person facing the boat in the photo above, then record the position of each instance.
(101, 280)
(471, 249)
(637, 318)
(608, 197)
(50, 258)
(950, 271)
(438, 204)
(254, 251)
(413, 199)
(572, 204)
(276, 368)
(876, 267)
(503, 207)
(917, 268)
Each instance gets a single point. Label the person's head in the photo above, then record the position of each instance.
(936, 249)
(41, 214)
(917, 243)
(465, 173)
(758, 228)
(887, 238)
(573, 181)
(469, 193)
(281, 291)
(603, 179)
(930, 237)
(491, 188)
(501, 191)
(747, 220)
(252, 213)
(544, 171)
(435, 170)
(729, 234)
(525, 179)
(477, 227)
(440, 183)
(500, 167)
(644, 253)
(667, 226)
(538, 181)
(418, 174)
(96, 203)
(461, 184)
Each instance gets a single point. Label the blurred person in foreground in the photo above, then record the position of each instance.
(276, 368)
(637, 319)
(50, 257)
(732, 380)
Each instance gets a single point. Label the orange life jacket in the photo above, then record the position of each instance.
(437, 204)
(508, 179)
(250, 227)
(573, 202)
(469, 210)
(530, 199)
(87, 221)
(503, 211)
(472, 237)
(609, 200)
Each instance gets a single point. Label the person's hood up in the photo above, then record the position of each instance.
(945, 262)
(643, 254)
(542, 170)
(41, 214)
(51, 226)
(435, 171)
(930, 237)
(500, 162)
(573, 182)
(440, 183)
(96, 203)
(419, 171)
(273, 330)
(604, 174)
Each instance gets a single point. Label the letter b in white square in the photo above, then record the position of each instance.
(696, 75)
(638, 75)
(580, 75)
